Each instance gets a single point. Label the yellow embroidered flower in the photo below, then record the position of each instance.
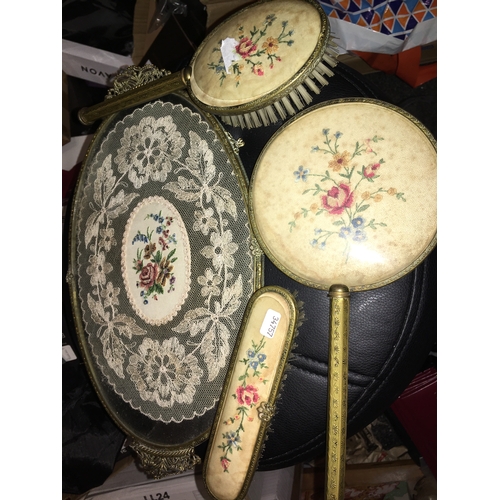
(365, 196)
(339, 160)
(314, 207)
(270, 45)
(377, 198)
(149, 250)
(392, 191)
(165, 272)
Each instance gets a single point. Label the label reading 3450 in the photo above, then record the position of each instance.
(270, 323)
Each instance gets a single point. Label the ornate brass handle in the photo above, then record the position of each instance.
(139, 95)
(337, 392)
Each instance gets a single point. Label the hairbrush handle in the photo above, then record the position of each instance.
(337, 392)
(138, 95)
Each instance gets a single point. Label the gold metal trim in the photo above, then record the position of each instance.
(278, 379)
(159, 463)
(284, 89)
(136, 96)
(265, 411)
(337, 392)
(282, 267)
(133, 77)
(143, 444)
(166, 84)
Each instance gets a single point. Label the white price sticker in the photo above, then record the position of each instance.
(270, 323)
(229, 54)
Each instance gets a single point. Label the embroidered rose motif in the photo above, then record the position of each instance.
(247, 395)
(148, 275)
(370, 171)
(257, 70)
(253, 51)
(338, 199)
(246, 47)
(157, 275)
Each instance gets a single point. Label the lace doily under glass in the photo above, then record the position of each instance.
(164, 262)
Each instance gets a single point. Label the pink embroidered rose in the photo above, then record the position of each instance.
(225, 463)
(148, 275)
(257, 70)
(246, 47)
(371, 170)
(247, 395)
(337, 199)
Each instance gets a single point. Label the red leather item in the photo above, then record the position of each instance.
(416, 409)
(405, 65)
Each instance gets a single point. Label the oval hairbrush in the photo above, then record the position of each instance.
(255, 68)
(248, 398)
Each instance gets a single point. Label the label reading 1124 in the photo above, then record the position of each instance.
(270, 323)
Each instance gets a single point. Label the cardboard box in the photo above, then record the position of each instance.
(91, 64)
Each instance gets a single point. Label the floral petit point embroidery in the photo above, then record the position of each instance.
(254, 50)
(155, 269)
(340, 194)
(246, 396)
(301, 174)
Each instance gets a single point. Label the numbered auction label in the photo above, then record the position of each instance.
(270, 323)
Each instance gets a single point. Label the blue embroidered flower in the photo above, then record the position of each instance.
(233, 439)
(301, 174)
(345, 232)
(326, 131)
(261, 357)
(159, 230)
(254, 365)
(359, 235)
(358, 222)
(318, 231)
(338, 135)
(314, 242)
(314, 149)
(251, 353)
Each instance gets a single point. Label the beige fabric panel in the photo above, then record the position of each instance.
(346, 194)
(234, 441)
(275, 39)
